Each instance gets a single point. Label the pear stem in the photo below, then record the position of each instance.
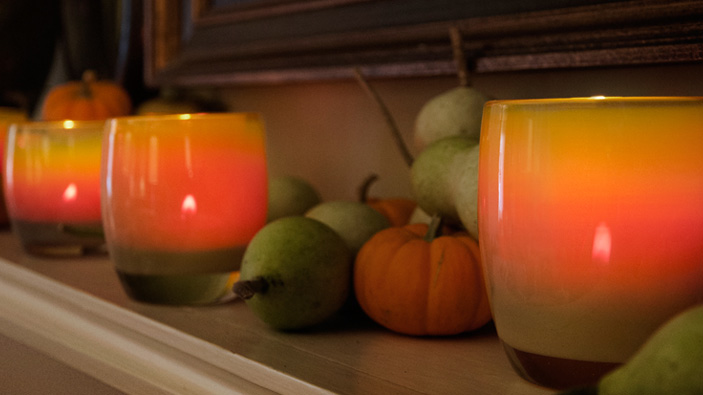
(246, 289)
(407, 156)
(435, 228)
(365, 186)
(87, 80)
(459, 58)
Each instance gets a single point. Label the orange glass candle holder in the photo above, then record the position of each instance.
(8, 116)
(182, 197)
(591, 227)
(52, 185)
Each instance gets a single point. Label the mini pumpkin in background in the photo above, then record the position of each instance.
(88, 99)
(397, 210)
(412, 282)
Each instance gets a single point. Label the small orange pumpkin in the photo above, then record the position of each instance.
(412, 282)
(397, 210)
(88, 99)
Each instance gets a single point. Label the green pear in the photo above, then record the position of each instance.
(290, 196)
(295, 273)
(171, 100)
(437, 172)
(465, 188)
(670, 362)
(457, 111)
(354, 221)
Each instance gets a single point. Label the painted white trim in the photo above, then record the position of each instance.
(124, 349)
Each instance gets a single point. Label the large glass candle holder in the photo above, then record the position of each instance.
(591, 227)
(8, 116)
(182, 197)
(52, 185)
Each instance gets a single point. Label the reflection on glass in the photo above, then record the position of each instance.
(8, 116)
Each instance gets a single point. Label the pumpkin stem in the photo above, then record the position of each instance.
(365, 186)
(246, 289)
(435, 228)
(459, 59)
(87, 80)
(407, 156)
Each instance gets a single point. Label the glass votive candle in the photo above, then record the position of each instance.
(591, 227)
(8, 116)
(52, 186)
(182, 197)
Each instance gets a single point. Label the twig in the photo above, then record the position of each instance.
(459, 57)
(364, 188)
(387, 116)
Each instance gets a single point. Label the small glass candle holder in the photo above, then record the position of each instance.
(52, 186)
(8, 116)
(182, 197)
(591, 227)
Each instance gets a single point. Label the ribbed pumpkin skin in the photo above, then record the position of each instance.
(414, 287)
(86, 100)
(397, 210)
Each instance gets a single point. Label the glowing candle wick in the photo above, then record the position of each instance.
(602, 244)
(70, 194)
(189, 206)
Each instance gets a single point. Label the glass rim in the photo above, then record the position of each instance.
(184, 116)
(600, 100)
(66, 124)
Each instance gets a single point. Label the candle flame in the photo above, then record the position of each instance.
(602, 244)
(70, 193)
(189, 207)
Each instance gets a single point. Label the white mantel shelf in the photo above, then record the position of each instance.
(75, 311)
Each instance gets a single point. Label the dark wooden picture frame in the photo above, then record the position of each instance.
(230, 42)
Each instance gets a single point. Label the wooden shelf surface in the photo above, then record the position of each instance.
(76, 311)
